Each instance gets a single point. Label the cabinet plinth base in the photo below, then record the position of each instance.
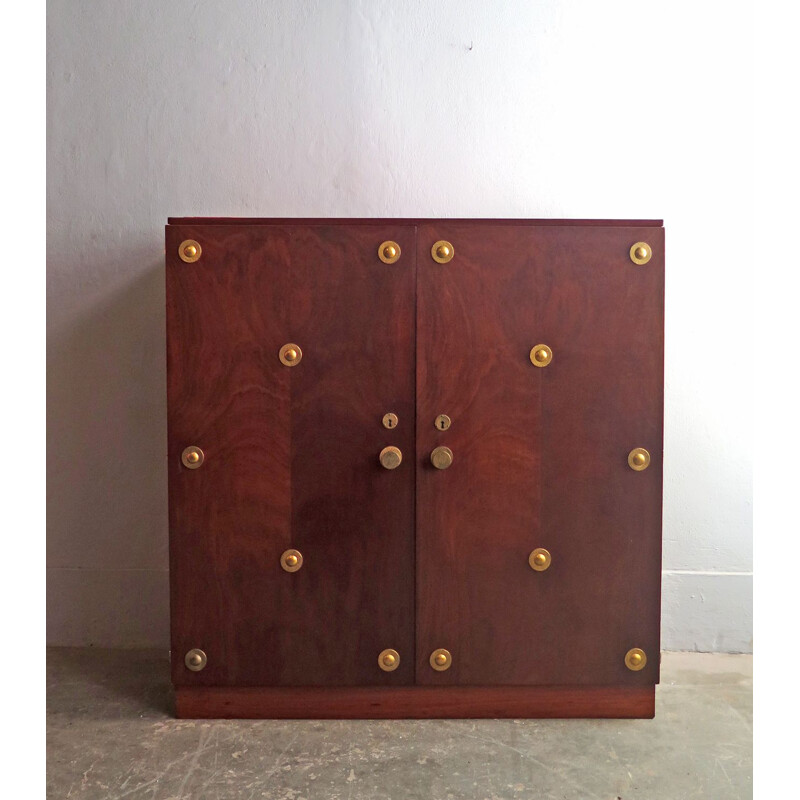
(416, 702)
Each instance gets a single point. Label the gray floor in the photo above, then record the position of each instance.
(110, 735)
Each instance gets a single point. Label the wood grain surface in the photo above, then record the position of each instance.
(417, 702)
(291, 454)
(540, 455)
(415, 558)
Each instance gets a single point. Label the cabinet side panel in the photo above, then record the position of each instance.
(227, 316)
(602, 396)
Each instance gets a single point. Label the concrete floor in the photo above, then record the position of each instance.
(110, 735)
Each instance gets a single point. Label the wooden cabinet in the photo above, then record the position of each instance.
(519, 575)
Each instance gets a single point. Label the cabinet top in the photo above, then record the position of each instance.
(619, 223)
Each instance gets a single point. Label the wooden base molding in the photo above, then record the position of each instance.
(416, 702)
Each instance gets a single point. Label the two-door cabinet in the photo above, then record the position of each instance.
(415, 466)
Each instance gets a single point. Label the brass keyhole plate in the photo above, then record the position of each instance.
(389, 660)
(390, 421)
(441, 659)
(291, 560)
(189, 251)
(442, 251)
(442, 422)
(641, 252)
(290, 354)
(195, 660)
(192, 457)
(389, 252)
(639, 459)
(635, 659)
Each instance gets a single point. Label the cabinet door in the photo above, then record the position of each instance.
(291, 454)
(540, 454)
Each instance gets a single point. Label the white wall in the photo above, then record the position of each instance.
(624, 108)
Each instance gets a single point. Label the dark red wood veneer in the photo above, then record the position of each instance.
(415, 558)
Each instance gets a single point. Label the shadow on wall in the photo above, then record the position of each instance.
(107, 543)
(109, 684)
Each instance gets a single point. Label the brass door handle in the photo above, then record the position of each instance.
(390, 457)
(442, 457)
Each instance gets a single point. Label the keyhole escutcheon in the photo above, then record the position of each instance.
(389, 420)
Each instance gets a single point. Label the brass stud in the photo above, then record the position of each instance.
(635, 659)
(539, 559)
(390, 457)
(390, 421)
(190, 251)
(192, 457)
(442, 251)
(291, 560)
(541, 355)
(641, 253)
(638, 459)
(290, 354)
(442, 457)
(389, 252)
(195, 660)
(442, 422)
(389, 660)
(441, 659)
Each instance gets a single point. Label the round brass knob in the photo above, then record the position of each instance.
(541, 355)
(389, 252)
(290, 355)
(441, 659)
(390, 457)
(442, 457)
(195, 660)
(189, 251)
(389, 660)
(291, 560)
(192, 457)
(638, 459)
(442, 251)
(635, 659)
(641, 253)
(539, 559)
